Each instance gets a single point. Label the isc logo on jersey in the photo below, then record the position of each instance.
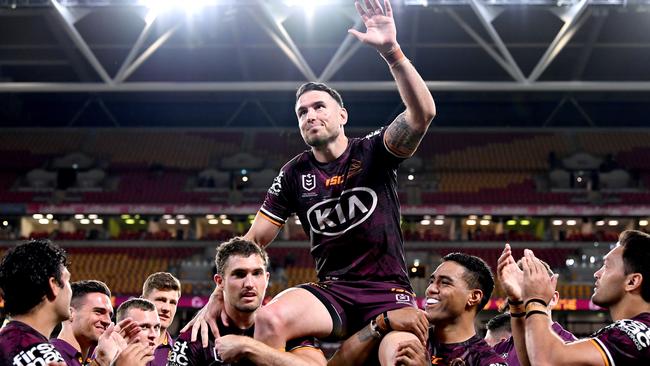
(637, 331)
(39, 355)
(178, 355)
(336, 216)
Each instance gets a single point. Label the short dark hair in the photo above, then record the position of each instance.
(134, 303)
(636, 256)
(25, 273)
(238, 246)
(162, 281)
(311, 86)
(477, 274)
(499, 323)
(83, 288)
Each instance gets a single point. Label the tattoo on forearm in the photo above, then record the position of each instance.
(365, 335)
(401, 138)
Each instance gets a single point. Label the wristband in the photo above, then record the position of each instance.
(394, 57)
(518, 315)
(537, 301)
(516, 307)
(387, 321)
(374, 330)
(535, 312)
(381, 324)
(535, 306)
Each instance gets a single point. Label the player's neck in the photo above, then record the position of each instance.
(455, 330)
(67, 334)
(41, 319)
(163, 336)
(629, 307)
(331, 151)
(239, 319)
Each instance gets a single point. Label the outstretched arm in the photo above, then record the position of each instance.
(405, 133)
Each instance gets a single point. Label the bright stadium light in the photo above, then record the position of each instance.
(190, 7)
(643, 222)
(439, 222)
(308, 6)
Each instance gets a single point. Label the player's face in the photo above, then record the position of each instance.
(149, 326)
(447, 294)
(63, 296)
(610, 279)
(320, 118)
(166, 302)
(92, 316)
(244, 283)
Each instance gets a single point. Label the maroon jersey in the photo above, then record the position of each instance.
(349, 208)
(184, 352)
(473, 352)
(22, 345)
(625, 342)
(161, 354)
(506, 348)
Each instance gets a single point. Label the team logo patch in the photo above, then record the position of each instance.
(336, 216)
(308, 182)
(403, 298)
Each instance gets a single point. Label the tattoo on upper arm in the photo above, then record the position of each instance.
(401, 138)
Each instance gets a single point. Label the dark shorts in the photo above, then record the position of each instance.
(352, 304)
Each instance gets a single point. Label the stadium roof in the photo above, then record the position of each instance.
(498, 63)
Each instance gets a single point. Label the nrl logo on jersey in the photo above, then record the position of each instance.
(336, 216)
(308, 182)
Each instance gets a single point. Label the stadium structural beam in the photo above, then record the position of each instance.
(281, 37)
(599, 16)
(486, 14)
(146, 30)
(348, 47)
(149, 51)
(348, 86)
(67, 19)
(485, 45)
(574, 18)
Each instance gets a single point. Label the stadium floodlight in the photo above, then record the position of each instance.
(190, 7)
(92, 216)
(43, 221)
(5, 223)
(213, 221)
(226, 221)
(425, 222)
(439, 222)
(98, 221)
(643, 222)
(570, 262)
(49, 216)
(209, 216)
(571, 222)
(470, 222)
(37, 216)
(84, 221)
(184, 222)
(612, 222)
(557, 222)
(511, 222)
(484, 222)
(171, 222)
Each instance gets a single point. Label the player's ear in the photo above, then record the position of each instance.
(343, 113)
(633, 282)
(474, 298)
(218, 280)
(54, 289)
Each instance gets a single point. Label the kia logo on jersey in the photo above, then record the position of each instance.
(336, 216)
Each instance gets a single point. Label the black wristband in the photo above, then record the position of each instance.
(533, 312)
(518, 315)
(387, 321)
(510, 302)
(540, 301)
